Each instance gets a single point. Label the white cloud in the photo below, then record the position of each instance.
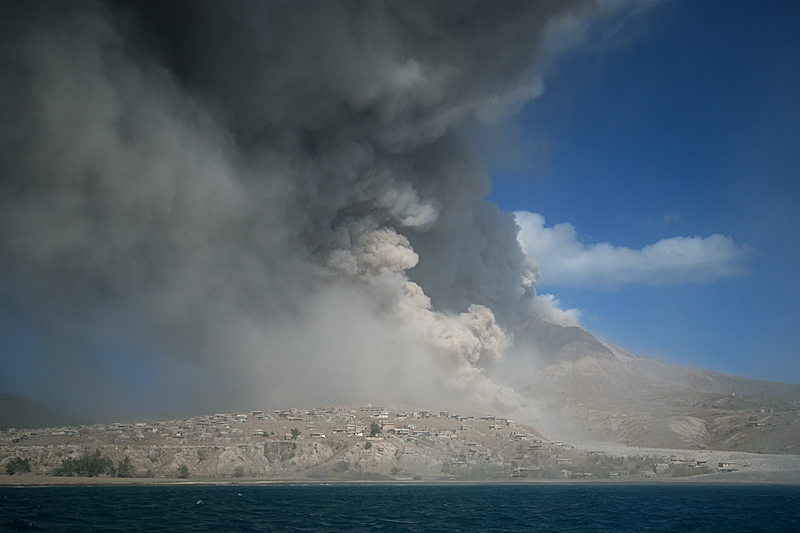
(566, 261)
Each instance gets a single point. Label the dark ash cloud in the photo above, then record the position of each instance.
(272, 200)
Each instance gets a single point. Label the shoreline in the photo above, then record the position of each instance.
(773, 478)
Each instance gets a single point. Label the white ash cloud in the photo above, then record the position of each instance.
(273, 194)
(547, 307)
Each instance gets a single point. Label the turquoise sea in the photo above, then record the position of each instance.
(449, 507)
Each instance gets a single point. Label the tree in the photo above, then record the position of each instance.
(374, 429)
(17, 465)
(295, 433)
(183, 472)
(125, 468)
(87, 465)
(368, 446)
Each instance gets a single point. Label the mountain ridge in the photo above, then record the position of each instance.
(588, 388)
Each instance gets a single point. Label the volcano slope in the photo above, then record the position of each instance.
(593, 390)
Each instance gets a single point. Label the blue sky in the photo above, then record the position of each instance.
(684, 123)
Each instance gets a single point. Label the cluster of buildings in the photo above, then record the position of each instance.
(321, 422)
(463, 445)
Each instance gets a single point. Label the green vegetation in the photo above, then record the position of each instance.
(125, 468)
(368, 445)
(183, 472)
(295, 433)
(18, 466)
(87, 465)
(374, 429)
(94, 465)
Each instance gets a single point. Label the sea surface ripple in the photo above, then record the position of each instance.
(447, 507)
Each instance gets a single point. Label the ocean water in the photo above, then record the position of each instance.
(535, 507)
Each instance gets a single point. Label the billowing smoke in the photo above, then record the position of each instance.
(250, 202)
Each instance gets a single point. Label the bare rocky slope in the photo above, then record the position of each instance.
(599, 391)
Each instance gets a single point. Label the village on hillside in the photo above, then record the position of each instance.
(330, 443)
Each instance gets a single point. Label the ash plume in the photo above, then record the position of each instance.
(263, 201)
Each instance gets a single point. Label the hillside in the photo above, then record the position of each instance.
(344, 444)
(600, 391)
